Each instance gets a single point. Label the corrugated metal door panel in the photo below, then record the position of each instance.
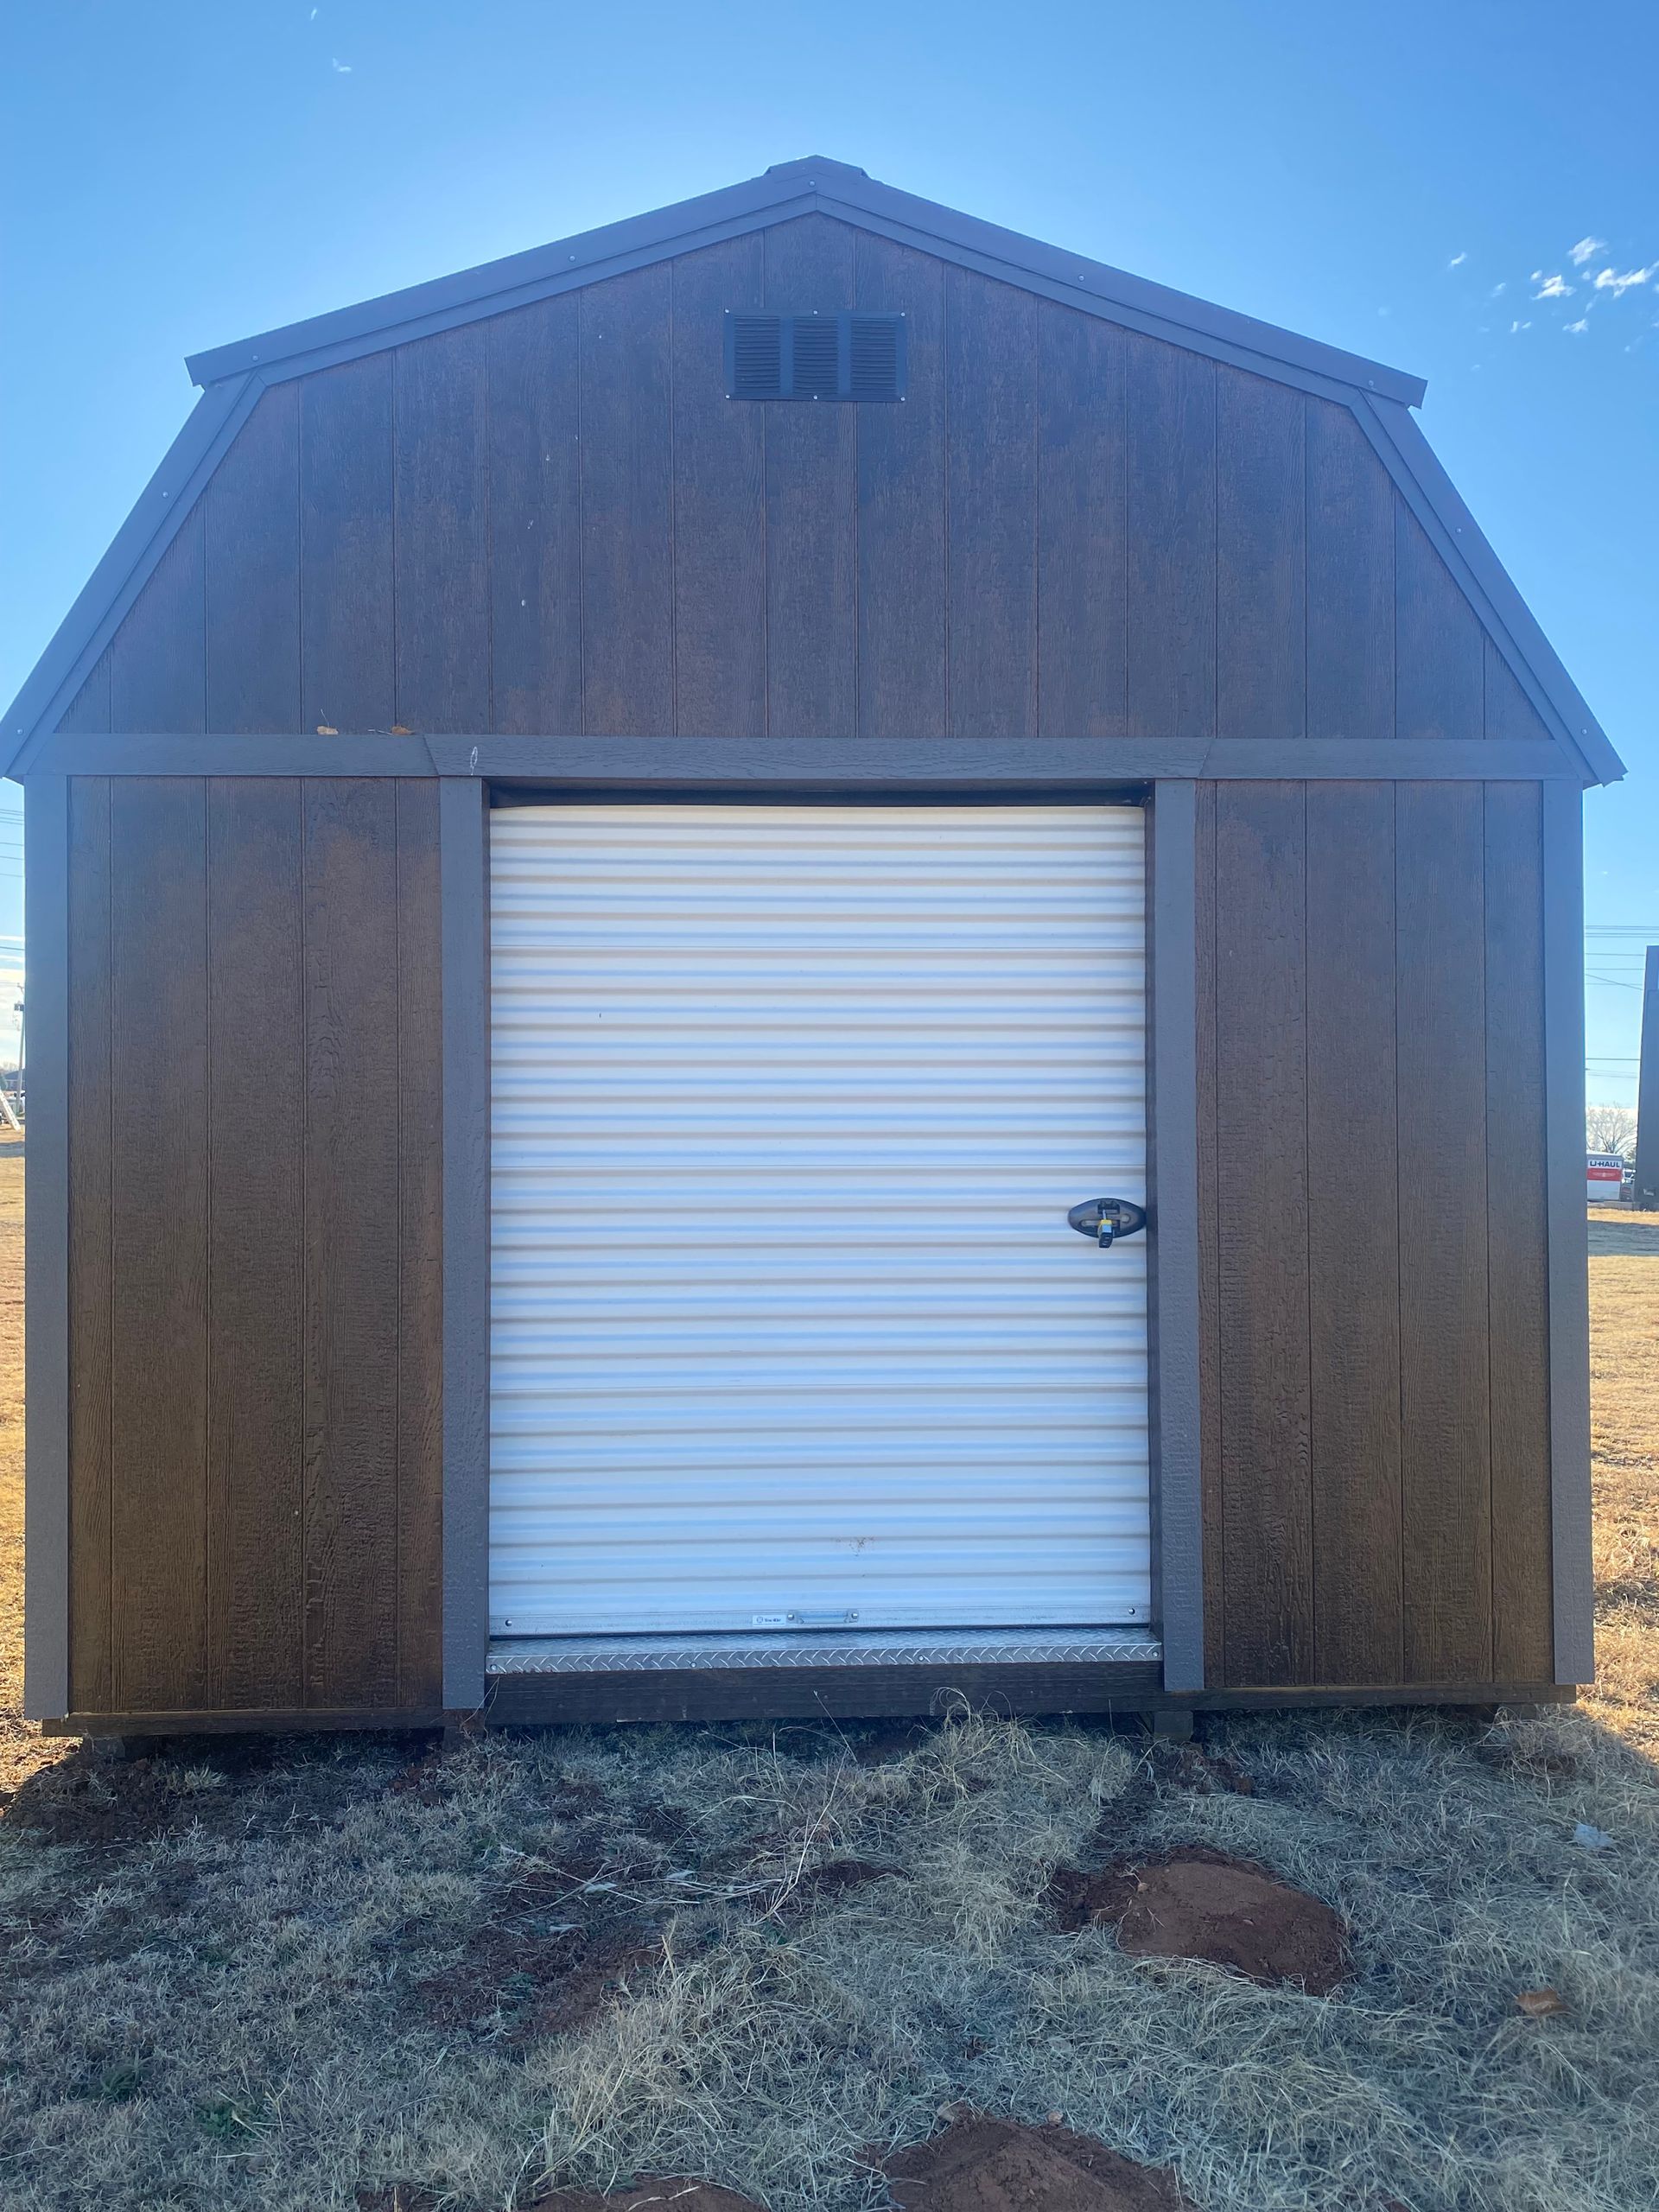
(789, 1105)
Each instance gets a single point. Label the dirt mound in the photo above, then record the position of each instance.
(1197, 1903)
(980, 2164)
(649, 2197)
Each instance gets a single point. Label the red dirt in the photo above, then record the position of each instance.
(980, 2164)
(649, 2197)
(1198, 1904)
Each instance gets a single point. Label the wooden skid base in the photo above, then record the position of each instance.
(300, 1723)
(821, 1693)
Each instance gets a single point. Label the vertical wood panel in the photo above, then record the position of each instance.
(901, 452)
(1261, 559)
(991, 387)
(158, 656)
(351, 1236)
(720, 550)
(1354, 1208)
(90, 1303)
(627, 581)
(1507, 711)
(534, 520)
(1263, 1236)
(1350, 531)
(253, 572)
(1171, 524)
(441, 549)
(346, 574)
(1215, 1562)
(89, 710)
(1439, 644)
(159, 1241)
(1445, 1483)
(1083, 500)
(811, 511)
(256, 1260)
(420, 1255)
(1517, 1240)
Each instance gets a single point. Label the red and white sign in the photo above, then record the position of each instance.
(1604, 1172)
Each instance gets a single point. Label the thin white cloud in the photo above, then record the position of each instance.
(1583, 323)
(1579, 254)
(1498, 289)
(340, 68)
(1457, 261)
(1514, 327)
(1618, 283)
(1552, 288)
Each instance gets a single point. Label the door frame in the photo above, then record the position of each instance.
(1171, 1171)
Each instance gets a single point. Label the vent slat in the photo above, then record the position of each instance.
(846, 356)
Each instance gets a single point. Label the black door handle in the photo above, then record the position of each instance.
(1106, 1219)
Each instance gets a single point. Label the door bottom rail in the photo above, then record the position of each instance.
(922, 1647)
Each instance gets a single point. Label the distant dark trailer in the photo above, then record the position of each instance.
(789, 958)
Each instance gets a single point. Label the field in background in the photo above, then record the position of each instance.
(318, 1976)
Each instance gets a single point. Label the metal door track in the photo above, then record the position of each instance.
(901, 1647)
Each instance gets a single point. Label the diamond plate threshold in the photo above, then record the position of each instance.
(897, 1647)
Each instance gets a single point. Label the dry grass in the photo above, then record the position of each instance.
(1625, 1400)
(274, 1978)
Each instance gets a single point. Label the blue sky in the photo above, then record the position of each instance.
(1410, 183)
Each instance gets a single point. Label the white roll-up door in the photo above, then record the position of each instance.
(788, 1327)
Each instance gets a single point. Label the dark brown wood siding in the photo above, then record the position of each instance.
(1375, 1355)
(555, 522)
(255, 1281)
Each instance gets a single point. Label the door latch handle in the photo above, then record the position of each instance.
(1106, 1219)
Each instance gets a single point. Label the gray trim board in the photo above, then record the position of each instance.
(126, 568)
(99, 753)
(1569, 1297)
(46, 1166)
(1041, 764)
(1461, 542)
(1178, 1492)
(464, 894)
(813, 185)
(1053, 764)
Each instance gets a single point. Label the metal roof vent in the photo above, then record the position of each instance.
(850, 356)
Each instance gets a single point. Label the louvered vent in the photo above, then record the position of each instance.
(755, 351)
(846, 356)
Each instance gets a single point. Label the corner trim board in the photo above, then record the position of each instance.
(45, 1483)
(1573, 1589)
(1048, 765)
(1177, 1493)
(464, 894)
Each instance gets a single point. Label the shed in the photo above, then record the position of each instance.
(621, 852)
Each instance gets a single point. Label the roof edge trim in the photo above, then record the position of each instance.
(791, 189)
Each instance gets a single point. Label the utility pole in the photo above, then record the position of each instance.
(1646, 1192)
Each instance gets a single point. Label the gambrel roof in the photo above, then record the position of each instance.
(236, 377)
